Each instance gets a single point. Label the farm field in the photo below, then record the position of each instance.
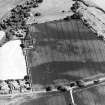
(67, 50)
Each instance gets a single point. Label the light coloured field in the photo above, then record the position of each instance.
(51, 10)
(12, 61)
(100, 3)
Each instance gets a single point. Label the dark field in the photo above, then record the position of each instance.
(67, 50)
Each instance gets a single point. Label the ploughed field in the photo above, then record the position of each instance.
(67, 50)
